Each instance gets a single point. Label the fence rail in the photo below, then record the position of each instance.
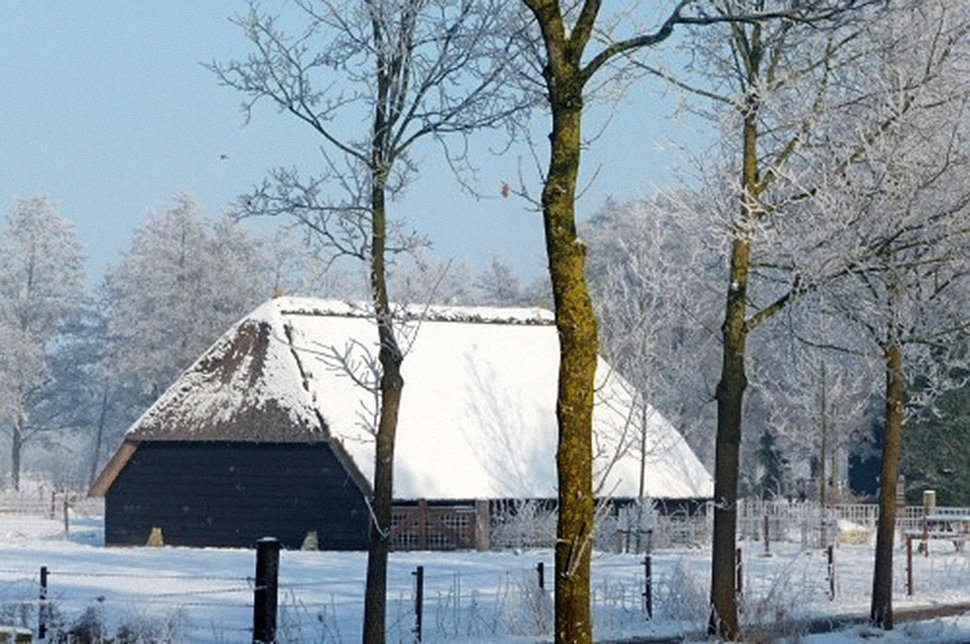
(49, 503)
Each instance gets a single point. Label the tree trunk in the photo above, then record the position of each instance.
(98, 437)
(730, 398)
(730, 395)
(16, 446)
(391, 385)
(823, 452)
(578, 350)
(641, 490)
(881, 613)
(375, 593)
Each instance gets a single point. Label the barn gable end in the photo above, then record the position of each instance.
(204, 493)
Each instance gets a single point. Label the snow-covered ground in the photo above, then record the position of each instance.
(468, 596)
(945, 629)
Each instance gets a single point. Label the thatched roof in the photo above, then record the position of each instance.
(477, 418)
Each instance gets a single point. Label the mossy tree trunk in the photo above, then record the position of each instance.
(578, 350)
(578, 346)
(734, 381)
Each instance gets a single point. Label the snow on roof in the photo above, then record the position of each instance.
(477, 416)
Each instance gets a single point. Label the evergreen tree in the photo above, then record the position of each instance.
(773, 466)
(936, 449)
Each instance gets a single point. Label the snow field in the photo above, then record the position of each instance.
(468, 596)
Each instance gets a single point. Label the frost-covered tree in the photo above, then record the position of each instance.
(182, 283)
(373, 81)
(906, 201)
(651, 267)
(801, 107)
(41, 283)
(100, 403)
(498, 284)
(814, 399)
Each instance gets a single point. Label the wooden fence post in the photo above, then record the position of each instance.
(925, 546)
(482, 525)
(265, 592)
(418, 601)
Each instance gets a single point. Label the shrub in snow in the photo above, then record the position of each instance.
(853, 533)
(91, 627)
(683, 596)
(19, 614)
(148, 629)
(524, 524)
(298, 622)
(525, 609)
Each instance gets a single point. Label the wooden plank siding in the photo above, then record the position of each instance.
(229, 493)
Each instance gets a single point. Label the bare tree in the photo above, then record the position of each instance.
(371, 81)
(568, 67)
(814, 396)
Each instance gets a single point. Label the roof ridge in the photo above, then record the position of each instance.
(473, 314)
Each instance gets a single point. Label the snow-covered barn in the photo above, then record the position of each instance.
(268, 433)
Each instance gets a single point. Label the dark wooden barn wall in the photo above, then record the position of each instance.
(231, 494)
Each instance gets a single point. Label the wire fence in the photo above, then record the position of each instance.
(460, 600)
(471, 597)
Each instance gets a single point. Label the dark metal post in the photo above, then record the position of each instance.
(738, 571)
(265, 592)
(42, 608)
(648, 586)
(767, 537)
(909, 566)
(67, 525)
(418, 600)
(541, 570)
(830, 552)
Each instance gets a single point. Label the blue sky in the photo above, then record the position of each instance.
(105, 107)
